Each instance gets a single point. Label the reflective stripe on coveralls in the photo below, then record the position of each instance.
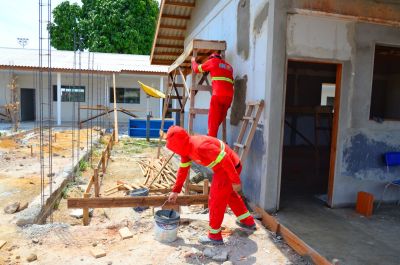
(214, 231)
(200, 69)
(220, 156)
(221, 78)
(187, 164)
(243, 216)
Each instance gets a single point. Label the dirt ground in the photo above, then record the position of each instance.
(66, 241)
(20, 168)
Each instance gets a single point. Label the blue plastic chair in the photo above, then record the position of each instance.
(391, 159)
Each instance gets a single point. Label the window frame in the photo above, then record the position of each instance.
(135, 89)
(68, 87)
(370, 116)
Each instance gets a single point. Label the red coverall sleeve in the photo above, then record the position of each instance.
(209, 151)
(200, 68)
(182, 174)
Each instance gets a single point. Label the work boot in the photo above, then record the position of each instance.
(251, 227)
(205, 240)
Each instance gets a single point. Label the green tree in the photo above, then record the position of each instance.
(65, 25)
(118, 26)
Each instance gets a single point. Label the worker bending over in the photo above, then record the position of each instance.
(213, 153)
(222, 89)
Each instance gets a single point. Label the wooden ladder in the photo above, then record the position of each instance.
(197, 87)
(178, 91)
(252, 116)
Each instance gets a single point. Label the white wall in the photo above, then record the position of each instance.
(218, 20)
(95, 91)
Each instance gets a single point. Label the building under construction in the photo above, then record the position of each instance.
(314, 116)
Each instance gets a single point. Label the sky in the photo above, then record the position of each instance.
(20, 19)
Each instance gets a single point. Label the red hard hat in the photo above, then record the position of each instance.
(215, 55)
(178, 140)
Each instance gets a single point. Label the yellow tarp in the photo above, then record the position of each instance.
(152, 92)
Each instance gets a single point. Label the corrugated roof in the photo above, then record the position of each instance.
(104, 62)
(169, 38)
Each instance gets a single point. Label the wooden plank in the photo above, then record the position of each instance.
(179, 28)
(162, 168)
(170, 46)
(96, 182)
(2, 243)
(239, 145)
(85, 218)
(205, 192)
(117, 202)
(179, 4)
(186, 53)
(212, 45)
(115, 114)
(199, 111)
(167, 37)
(175, 16)
(334, 136)
(89, 186)
(202, 88)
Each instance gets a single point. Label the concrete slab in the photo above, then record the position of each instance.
(343, 234)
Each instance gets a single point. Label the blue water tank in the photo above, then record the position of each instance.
(137, 127)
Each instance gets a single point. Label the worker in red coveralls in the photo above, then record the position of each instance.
(222, 89)
(213, 153)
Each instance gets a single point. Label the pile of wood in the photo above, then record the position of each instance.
(160, 177)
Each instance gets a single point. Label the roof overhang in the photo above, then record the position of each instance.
(169, 38)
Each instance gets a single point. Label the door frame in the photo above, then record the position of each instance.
(335, 123)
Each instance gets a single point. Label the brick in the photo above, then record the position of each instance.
(97, 253)
(365, 203)
(125, 233)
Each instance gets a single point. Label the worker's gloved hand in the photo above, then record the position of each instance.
(172, 197)
(237, 187)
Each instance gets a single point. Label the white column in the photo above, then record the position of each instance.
(58, 99)
(161, 100)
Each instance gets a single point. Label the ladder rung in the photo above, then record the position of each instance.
(202, 88)
(253, 103)
(177, 85)
(249, 118)
(239, 145)
(176, 97)
(198, 111)
(174, 110)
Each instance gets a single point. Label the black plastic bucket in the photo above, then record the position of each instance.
(166, 225)
(140, 192)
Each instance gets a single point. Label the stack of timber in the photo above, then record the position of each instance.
(160, 177)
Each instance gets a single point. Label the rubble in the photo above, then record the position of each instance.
(31, 257)
(98, 253)
(12, 208)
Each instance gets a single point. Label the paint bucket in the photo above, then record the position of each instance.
(166, 225)
(140, 192)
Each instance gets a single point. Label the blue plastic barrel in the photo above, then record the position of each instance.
(140, 192)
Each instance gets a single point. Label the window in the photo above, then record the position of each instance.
(385, 97)
(70, 93)
(125, 95)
